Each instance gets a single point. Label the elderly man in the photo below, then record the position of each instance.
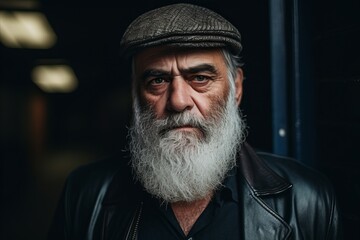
(189, 174)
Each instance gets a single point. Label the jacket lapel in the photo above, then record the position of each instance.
(121, 205)
(256, 181)
(260, 222)
(260, 178)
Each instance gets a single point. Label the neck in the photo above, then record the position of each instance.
(187, 213)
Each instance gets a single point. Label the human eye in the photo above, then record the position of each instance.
(156, 84)
(157, 81)
(200, 82)
(200, 78)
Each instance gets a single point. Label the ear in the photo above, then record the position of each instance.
(239, 85)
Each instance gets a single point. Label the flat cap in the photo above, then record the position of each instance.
(180, 25)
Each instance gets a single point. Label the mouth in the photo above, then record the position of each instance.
(183, 128)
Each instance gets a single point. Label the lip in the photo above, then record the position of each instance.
(186, 128)
(183, 129)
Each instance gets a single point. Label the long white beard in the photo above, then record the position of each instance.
(177, 165)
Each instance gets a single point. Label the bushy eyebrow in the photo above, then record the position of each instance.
(153, 72)
(199, 68)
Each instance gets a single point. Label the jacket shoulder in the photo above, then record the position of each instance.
(295, 171)
(93, 176)
(82, 195)
(311, 190)
(97, 171)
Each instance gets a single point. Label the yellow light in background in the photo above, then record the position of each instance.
(55, 78)
(26, 30)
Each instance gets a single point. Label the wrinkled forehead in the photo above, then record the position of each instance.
(167, 56)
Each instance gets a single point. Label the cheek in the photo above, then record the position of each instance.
(209, 105)
(218, 104)
(156, 104)
(215, 103)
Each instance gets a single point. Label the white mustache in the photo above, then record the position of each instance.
(185, 119)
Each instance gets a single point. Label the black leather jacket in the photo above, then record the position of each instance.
(281, 199)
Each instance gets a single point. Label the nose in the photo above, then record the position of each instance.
(179, 98)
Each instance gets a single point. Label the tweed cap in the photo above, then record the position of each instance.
(180, 25)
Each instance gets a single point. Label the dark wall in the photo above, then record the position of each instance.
(337, 74)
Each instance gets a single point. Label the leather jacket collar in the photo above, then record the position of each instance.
(261, 179)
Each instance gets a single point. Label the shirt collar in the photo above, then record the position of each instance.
(229, 190)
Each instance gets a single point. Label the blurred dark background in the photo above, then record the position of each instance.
(301, 99)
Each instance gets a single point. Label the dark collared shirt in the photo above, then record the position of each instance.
(219, 220)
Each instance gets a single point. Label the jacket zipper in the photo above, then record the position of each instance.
(132, 232)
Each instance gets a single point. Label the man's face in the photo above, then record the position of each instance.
(186, 127)
(172, 82)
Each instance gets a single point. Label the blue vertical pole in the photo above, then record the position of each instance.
(297, 84)
(303, 84)
(278, 77)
